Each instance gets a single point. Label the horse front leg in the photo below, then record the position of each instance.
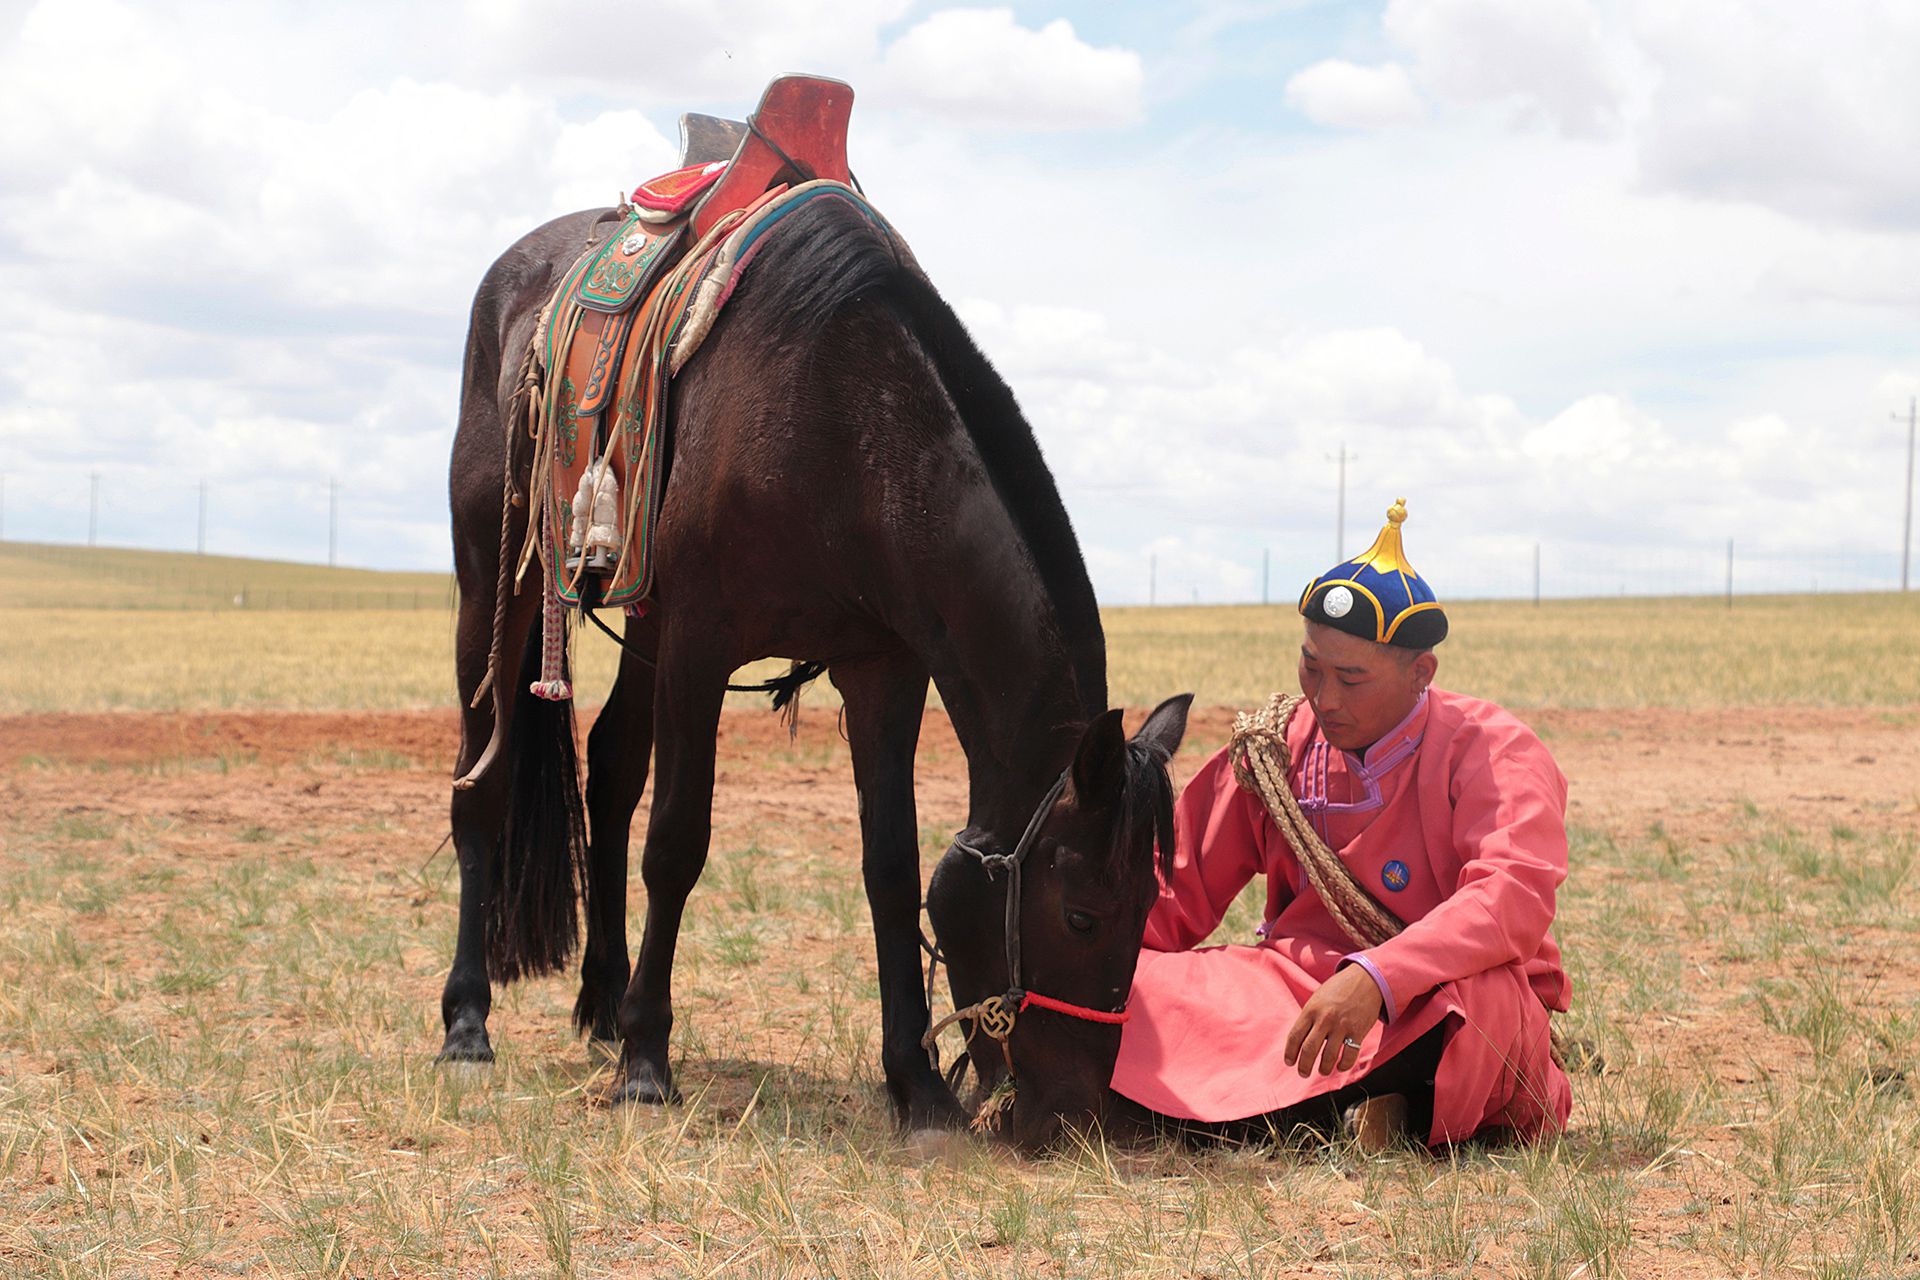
(886, 698)
(688, 691)
(618, 751)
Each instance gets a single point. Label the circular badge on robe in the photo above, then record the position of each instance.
(1395, 875)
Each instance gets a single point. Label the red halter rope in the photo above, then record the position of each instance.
(1033, 999)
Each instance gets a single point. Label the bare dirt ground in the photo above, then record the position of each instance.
(1692, 798)
(1626, 769)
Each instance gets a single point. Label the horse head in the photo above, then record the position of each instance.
(1041, 928)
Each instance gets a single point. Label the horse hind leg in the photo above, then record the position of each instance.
(479, 813)
(618, 749)
(689, 688)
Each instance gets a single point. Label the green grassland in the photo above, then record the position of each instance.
(101, 629)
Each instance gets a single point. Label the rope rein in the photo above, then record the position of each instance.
(1261, 760)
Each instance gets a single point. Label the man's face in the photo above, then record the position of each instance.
(1359, 690)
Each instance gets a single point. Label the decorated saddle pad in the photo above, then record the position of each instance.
(624, 320)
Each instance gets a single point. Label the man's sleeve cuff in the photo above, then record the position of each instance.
(1387, 1011)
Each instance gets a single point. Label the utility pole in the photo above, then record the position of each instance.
(200, 543)
(333, 521)
(1340, 508)
(93, 508)
(1536, 575)
(1153, 576)
(3, 506)
(1266, 562)
(1729, 573)
(1906, 527)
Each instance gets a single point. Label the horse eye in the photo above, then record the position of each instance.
(1080, 922)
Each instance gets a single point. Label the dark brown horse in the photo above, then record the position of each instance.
(851, 484)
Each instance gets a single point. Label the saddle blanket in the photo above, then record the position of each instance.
(625, 318)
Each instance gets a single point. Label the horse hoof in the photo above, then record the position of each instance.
(644, 1083)
(466, 1043)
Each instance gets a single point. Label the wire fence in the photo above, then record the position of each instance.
(1727, 569)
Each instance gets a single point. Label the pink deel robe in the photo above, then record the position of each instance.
(1456, 821)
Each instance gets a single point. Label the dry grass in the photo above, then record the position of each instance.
(1857, 650)
(217, 1007)
(216, 1026)
(45, 576)
(1818, 650)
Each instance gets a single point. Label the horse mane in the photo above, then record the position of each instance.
(1146, 811)
(830, 256)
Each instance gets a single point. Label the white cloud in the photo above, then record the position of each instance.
(1813, 110)
(675, 51)
(1668, 318)
(1546, 57)
(1343, 95)
(983, 67)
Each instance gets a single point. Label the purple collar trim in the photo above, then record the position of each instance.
(1311, 784)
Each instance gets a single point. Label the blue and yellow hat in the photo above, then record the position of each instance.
(1377, 595)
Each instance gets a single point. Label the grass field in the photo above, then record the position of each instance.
(218, 1005)
(170, 643)
(222, 940)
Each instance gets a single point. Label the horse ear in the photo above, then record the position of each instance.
(1166, 726)
(1100, 763)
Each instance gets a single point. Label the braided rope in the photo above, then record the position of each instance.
(552, 684)
(1261, 760)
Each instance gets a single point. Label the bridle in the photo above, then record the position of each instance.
(996, 1014)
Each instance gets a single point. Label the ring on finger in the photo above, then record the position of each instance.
(1351, 1043)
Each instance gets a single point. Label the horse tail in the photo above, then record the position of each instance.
(540, 876)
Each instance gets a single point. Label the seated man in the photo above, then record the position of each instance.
(1442, 809)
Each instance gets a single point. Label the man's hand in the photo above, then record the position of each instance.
(1344, 1008)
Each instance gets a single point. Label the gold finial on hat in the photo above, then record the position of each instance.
(1386, 553)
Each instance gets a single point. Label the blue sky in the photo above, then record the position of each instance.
(1623, 278)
